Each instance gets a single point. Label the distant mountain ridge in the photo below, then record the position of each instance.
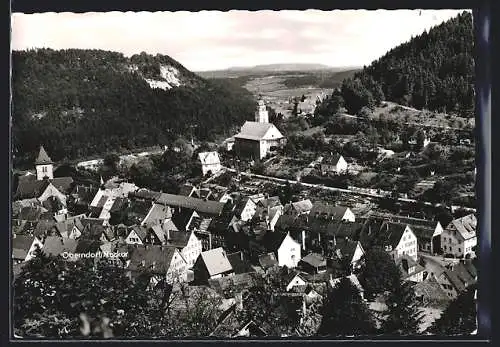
(84, 102)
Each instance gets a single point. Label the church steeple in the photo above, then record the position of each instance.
(261, 116)
(44, 165)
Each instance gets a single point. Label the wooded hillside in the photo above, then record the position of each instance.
(84, 102)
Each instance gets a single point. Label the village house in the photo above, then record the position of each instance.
(187, 243)
(313, 263)
(245, 209)
(350, 250)
(410, 269)
(71, 227)
(24, 247)
(398, 239)
(163, 263)
(210, 163)
(334, 164)
(294, 279)
(298, 208)
(212, 264)
(177, 202)
(459, 238)
(104, 200)
(286, 249)
(457, 277)
(158, 214)
(136, 236)
(331, 212)
(428, 233)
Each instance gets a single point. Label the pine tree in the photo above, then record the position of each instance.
(403, 316)
(345, 313)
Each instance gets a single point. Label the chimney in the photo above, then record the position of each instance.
(304, 240)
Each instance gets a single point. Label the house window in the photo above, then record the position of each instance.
(459, 250)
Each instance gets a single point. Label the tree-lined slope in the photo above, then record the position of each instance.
(84, 102)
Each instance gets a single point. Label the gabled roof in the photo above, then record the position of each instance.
(332, 160)
(302, 206)
(43, 158)
(21, 245)
(157, 214)
(178, 239)
(346, 248)
(119, 204)
(181, 219)
(216, 261)
(273, 240)
(199, 205)
(314, 259)
(459, 277)
(158, 232)
(466, 226)
(391, 233)
(208, 158)
(141, 232)
(156, 259)
(256, 131)
(31, 189)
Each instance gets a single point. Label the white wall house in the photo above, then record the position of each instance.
(335, 164)
(407, 245)
(289, 252)
(459, 237)
(210, 162)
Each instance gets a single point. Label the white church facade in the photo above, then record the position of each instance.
(256, 139)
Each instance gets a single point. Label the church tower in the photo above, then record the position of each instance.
(261, 116)
(44, 165)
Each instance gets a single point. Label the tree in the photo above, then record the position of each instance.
(356, 95)
(54, 293)
(420, 138)
(345, 313)
(403, 316)
(379, 272)
(459, 318)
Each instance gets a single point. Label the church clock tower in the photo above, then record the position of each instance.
(261, 116)
(44, 165)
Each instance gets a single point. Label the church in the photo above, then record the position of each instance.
(256, 139)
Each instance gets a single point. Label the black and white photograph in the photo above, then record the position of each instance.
(292, 174)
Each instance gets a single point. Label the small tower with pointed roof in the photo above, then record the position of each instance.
(261, 116)
(44, 165)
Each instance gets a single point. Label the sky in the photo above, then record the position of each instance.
(213, 40)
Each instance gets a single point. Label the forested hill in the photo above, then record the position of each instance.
(84, 102)
(434, 70)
